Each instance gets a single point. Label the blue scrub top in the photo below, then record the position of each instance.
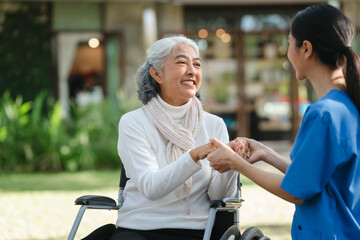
(325, 171)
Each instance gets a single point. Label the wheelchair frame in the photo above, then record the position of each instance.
(223, 205)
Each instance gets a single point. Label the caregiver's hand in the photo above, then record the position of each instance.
(224, 158)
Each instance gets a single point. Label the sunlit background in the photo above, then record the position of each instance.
(67, 75)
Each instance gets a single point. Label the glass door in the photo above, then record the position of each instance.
(219, 66)
(267, 79)
(247, 79)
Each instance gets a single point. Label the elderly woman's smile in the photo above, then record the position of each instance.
(180, 77)
(188, 82)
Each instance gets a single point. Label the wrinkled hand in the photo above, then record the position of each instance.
(205, 149)
(224, 158)
(241, 147)
(202, 151)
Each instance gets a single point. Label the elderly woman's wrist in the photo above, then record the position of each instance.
(200, 152)
(194, 155)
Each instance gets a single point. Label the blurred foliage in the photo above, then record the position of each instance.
(24, 48)
(221, 93)
(35, 137)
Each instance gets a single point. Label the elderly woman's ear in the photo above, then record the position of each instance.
(155, 74)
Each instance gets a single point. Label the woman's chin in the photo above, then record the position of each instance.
(188, 93)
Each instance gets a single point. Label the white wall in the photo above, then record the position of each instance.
(170, 17)
(128, 18)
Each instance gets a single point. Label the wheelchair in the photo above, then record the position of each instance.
(222, 224)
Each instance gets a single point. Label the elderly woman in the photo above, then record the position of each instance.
(163, 146)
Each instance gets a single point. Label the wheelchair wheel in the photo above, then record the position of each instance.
(252, 233)
(233, 233)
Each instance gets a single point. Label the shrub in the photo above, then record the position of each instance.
(25, 32)
(34, 136)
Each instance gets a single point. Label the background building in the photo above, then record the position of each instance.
(96, 47)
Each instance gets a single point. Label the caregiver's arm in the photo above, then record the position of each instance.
(260, 152)
(225, 158)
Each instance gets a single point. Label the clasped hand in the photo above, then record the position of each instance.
(233, 155)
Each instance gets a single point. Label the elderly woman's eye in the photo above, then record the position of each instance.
(197, 64)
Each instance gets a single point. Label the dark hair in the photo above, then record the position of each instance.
(330, 33)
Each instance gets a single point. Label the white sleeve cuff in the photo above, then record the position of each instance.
(191, 163)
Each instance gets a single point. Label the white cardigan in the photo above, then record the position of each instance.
(150, 201)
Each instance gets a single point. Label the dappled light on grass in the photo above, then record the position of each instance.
(266, 211)
(47, 215)
(41, 206)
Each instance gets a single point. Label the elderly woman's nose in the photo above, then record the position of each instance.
(191, 70)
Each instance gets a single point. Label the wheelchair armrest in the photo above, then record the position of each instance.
(95, 200)
(91, 202)
(226, 202)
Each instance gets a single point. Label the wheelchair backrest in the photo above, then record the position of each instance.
(123, 178)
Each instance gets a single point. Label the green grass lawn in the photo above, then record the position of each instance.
(89, 180)
(41, 205)
(64, 181)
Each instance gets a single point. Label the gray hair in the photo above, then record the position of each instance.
(156, 55)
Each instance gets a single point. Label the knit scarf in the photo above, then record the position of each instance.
(180, 137)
